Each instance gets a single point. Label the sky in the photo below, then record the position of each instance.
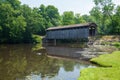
(77, 6)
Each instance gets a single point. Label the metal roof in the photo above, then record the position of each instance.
(72, 26)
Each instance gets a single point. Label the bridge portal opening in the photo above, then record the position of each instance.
(92, 31)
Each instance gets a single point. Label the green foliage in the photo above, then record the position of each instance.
(51, 15)
(14, 3)
(117, 21)
(12, 24)
(97, 16)
(78, 19)
(87, 18)
(37, 39)
(102, 13)
(18, 22)
(17, 29)
(116, 44)
(68, 18)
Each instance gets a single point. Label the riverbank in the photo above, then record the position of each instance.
(112, 40)
(110, 69)
(101, 45)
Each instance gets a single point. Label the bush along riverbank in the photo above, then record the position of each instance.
(37, 39)
(110, 69)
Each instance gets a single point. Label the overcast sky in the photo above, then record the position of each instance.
(77, 6)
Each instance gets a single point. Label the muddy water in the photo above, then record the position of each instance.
(29, 62)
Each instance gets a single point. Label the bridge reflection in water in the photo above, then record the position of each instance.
(64, 52)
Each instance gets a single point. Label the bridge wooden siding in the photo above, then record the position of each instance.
(78, 31)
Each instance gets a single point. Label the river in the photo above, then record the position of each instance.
(29, 62)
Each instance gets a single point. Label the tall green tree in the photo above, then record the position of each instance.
(116, 19)
(38, 26)
(53, 14)
(104, 9)
(14, 3)
(79, 19)
(87, 18)
(97, 17)
(12, 24)
(68, 18)
(26, 11)
(50, 14)
(42, 11)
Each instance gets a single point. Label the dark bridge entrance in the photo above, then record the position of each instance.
(92, 31)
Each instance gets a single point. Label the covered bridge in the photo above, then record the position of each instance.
(77, 31)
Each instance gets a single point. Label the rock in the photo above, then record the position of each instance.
(39, 53)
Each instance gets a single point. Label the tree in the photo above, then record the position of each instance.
(42, 11)
(116, 20)
(18, 26)
(97, 17)
(26, 11)
(53, 15)
(14, 3)
(19, 22)
(68, 18)
(79, 19)
(87, 18)
(38, 26)
(104, 7)
(50, 14)
(12, 24)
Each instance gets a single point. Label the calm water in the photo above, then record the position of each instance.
(29, 62)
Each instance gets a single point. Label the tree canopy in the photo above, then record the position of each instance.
(18, 22)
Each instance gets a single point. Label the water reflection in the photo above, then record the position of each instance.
(64, 51)
(22, 62)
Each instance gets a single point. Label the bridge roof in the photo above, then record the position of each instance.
(72, 26)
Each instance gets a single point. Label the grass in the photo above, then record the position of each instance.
(109, 71)
(100, 74)
(110, 60)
